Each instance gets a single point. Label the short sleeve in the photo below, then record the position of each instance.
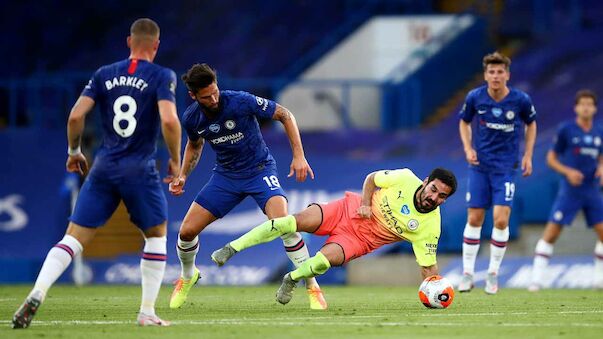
(258, 106)
(91, 89)
(425, 250)
(528, 111)
(468, 110)
(189, 123)
(560, 141)
(387, 178)
(166, 89)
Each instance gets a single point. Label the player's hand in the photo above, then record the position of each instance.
(471, 156)
(526, 166)
(77, 163)
(301, 169)
(177, 186)
(172, 169)
(574, 177)
(599, 174)
(364, 211)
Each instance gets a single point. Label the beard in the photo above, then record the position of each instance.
(425, 205)
(212, 110)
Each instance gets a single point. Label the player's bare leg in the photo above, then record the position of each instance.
(542, 254)
(152, 268)
(297, 251)
(331, 254)
(196, 219)
(498, 246)
(56, 262)
(598, 276)
(471, 243)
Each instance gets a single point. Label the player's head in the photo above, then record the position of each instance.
(202, 84)
(437, 187)
(585, 105)
(144, 37)
(496, 70)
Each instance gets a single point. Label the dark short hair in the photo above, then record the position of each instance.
(144, 28)
(199, 76)
(445, 176)
(496, 58)
(586, 93)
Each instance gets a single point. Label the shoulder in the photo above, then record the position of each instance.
(190, 114)
(477, 92)
(521, 95)
(565, 125)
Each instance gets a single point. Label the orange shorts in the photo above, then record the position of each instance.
(356, 236)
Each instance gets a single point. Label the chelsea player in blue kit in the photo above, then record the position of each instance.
(136, 99)
(576, 155)
(244, 167)
(493, 162)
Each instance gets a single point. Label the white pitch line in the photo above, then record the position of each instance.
(219, 322)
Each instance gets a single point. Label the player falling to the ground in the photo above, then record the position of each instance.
(244, 167)
(576, 155)
(136, 99)
(394, 206)
(492, 151)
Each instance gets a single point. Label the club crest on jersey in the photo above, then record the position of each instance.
(229, 124)
(214, 128)
(597, 141)
(412, 225)
(405, 210)
(588, 139)
(510, 115)
(496, 111)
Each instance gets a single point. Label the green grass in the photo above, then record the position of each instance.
(251, 312)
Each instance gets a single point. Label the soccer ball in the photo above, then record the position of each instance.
(436, 292)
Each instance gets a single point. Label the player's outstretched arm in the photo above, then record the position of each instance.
(299, 164)
(192, 154)
(427, 271)
(172, 134)
(526, 161)
(76, 162)
(465, 133)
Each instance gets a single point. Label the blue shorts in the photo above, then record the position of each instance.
(221, 194)
(569, 202)
(100, 195)
(486, 189)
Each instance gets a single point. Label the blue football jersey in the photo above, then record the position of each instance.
(234, 134)
(579, 150)
(499, 126)
(127, 93)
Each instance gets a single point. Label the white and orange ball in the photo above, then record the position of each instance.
(436, 292)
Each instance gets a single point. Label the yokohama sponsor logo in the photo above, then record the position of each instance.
(233, 138)
(501, 127)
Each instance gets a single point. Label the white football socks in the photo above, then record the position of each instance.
(187, 252)
(471, 240)
(542, 255)
(297, 251)
(598, 275)
(498, 246)
(152, 268)
(58, 259)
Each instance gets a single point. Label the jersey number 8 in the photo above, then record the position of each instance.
(128, 115)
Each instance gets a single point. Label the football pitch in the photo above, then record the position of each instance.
(354, 312)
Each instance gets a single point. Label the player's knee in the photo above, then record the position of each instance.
(475, 219)
(501, 223)
(187, 234)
